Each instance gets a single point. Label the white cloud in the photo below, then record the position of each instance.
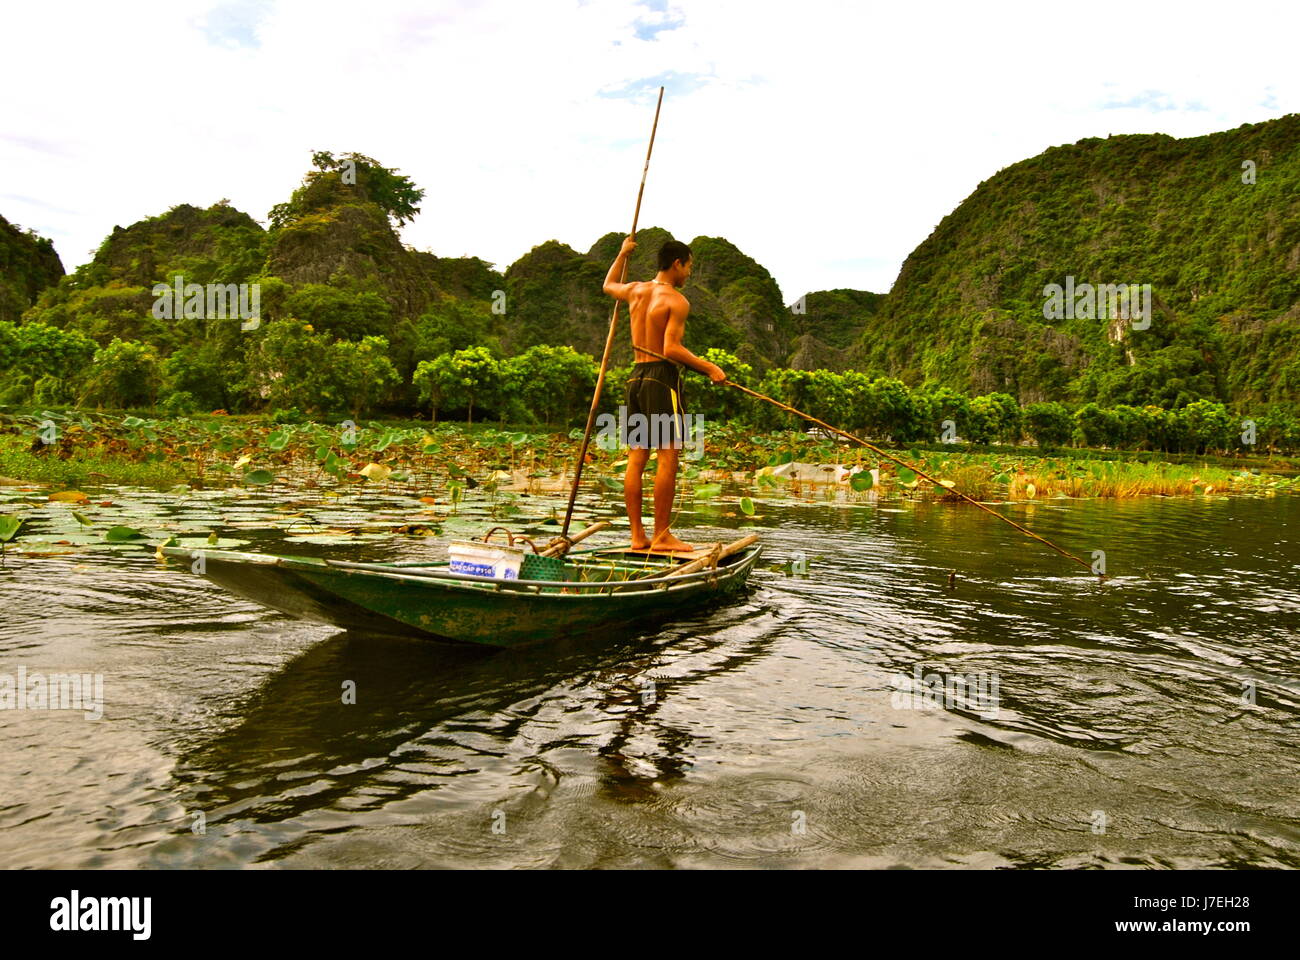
(824, 139)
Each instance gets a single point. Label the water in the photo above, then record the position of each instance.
(770, 732)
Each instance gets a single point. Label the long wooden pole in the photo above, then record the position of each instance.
(889, 456)
(609, 338)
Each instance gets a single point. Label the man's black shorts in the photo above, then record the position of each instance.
(656, 413)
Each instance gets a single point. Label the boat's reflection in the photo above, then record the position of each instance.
(295, 745)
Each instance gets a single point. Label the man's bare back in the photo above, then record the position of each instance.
(650, 305)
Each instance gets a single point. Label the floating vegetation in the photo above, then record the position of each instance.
(219, 480)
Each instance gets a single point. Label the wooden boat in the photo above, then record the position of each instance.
(600, 588)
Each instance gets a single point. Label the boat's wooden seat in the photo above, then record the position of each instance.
(699, 552)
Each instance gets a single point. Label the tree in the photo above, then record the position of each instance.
(1154, 428)
(1204, 426)
(889, 409)
(40, 349)
(946, 405)
(1129, 426)
(355, 175)
(1095, 426)
(994, 417)
(8, 344)
(1277, 429)
(448, 326)
(551, 383)
(819, 393)
(288, 367)
(41, 363)
(124, 374)
(791, 387)
(1049, 424)
(459, 379)
(208, 372)
(360, 371)
(341, 313)
(294, 366)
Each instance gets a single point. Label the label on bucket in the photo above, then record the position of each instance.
(483, 570)
(485, 560)
(474, 569)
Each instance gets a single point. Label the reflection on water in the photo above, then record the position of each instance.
(1149, 720)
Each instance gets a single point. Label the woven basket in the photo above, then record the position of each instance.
(537, 567)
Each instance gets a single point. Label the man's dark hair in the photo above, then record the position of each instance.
(671, 252)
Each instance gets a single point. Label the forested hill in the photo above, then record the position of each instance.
(28, 264)
(331, 257)
(554, 296)
(1222, 257)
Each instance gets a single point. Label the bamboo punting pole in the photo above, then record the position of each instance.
(609, 338)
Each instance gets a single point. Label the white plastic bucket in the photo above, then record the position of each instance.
(485, 559)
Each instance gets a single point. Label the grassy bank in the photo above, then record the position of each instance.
(221, 451)
(85, 468)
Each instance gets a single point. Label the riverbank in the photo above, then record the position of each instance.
(80, 450)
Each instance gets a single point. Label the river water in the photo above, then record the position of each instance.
(1149, 721)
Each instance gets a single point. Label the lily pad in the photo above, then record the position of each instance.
(122, 534)
(35, 549)
(9, 525)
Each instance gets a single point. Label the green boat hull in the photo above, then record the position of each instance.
(429, 601)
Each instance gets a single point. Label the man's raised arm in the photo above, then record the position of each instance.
(613, 280)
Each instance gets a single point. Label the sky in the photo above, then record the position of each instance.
(824, 139)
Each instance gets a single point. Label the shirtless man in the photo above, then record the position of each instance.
(658, 314)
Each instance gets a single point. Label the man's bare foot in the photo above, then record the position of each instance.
(640, 543)
(667, 543)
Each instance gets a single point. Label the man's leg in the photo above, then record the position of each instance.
(636, 461)
(665, 489)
